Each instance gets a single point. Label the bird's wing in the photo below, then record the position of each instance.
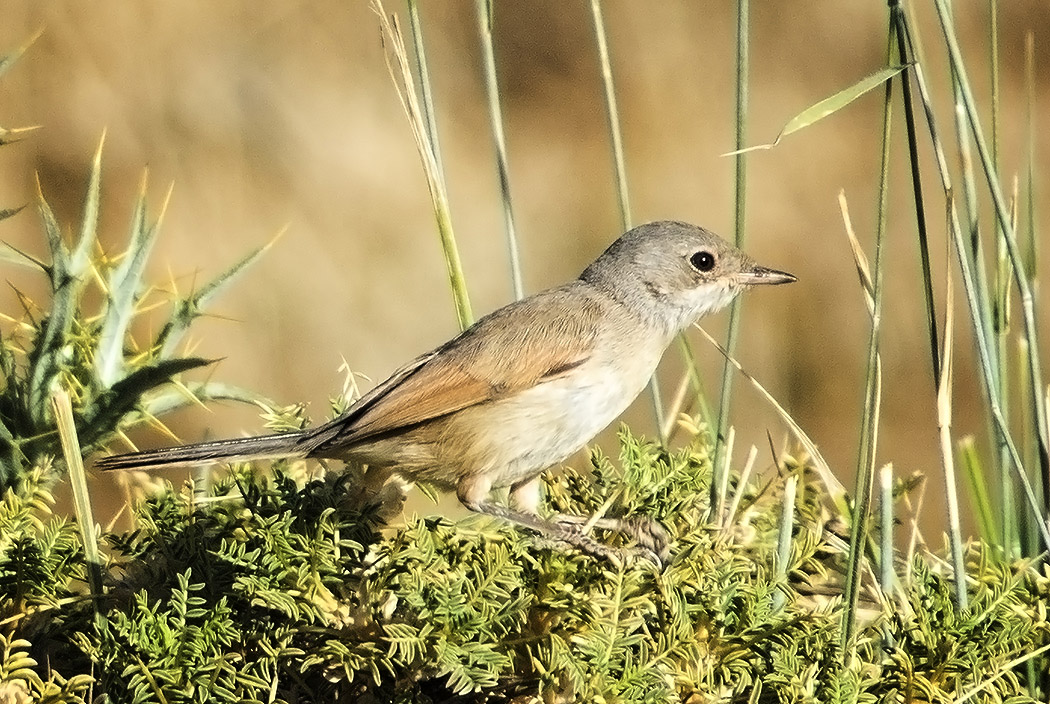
(514, 348)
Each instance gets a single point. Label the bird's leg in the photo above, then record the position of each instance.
(649, 534)
(473, 493)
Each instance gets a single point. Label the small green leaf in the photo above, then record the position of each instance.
(81, 257)
(8, 60)
(188, 310)
(13, 255)
(169, 399)
(10, 136)
(125, 282)
(5, 213)
(106, 413)
(819, 111)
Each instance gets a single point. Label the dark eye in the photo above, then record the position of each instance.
(703, 261)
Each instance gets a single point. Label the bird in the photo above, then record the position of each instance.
(524, 387)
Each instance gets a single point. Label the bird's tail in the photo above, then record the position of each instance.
(262, 447)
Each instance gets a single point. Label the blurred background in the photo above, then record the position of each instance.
(280, 114)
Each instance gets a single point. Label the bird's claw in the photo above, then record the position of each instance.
(651, 538)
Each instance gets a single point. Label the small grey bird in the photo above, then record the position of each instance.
(524, 387)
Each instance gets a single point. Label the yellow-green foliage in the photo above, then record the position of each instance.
(265, 589)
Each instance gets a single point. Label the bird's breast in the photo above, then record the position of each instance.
(518, 436)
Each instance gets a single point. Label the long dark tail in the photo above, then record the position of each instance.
(263, 447)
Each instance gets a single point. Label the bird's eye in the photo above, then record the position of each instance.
(703, 261)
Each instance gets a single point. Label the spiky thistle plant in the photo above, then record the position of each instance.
(86, 349)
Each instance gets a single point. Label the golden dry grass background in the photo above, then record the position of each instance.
(278, 113)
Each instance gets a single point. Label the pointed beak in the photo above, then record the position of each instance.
(761, 275)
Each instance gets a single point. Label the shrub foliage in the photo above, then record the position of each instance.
(263, 588)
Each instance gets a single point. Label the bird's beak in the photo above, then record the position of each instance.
(761, 275)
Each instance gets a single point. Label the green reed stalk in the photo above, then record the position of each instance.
(897, 22)
(415, 28)
(887, 576)
(484, 9)
(872, 396)
(743, 74)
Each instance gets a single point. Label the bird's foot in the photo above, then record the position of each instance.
(651, 537)
(572, 537)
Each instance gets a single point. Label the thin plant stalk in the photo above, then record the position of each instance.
(743, 73)
(1031, 241)
(971, 201)
(993, 69)
(427, 98)
(970, 459)
(867, 284)
(944, 430)
(1031, 249)
(723, 473)
(915, 537)
(484, 9)
(1001, 302)
(405, 84)
(63, 412)
(1001, 330)
(872, 396)
(994, 309)
(863, 268)
(897, 20)
(677, 404)
(887, 576)
(612, 113)
(995, 323)
(741, 487)
(787, 526)
(1029, 446)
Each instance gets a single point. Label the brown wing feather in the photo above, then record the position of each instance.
(511, 349)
